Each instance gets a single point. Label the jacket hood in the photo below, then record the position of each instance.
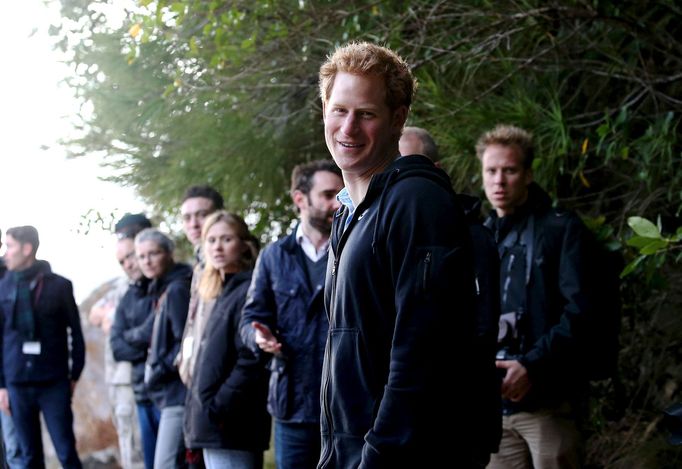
(471, 205)
(402, 168)
(236, 280)
(405, 167)
(179, 271)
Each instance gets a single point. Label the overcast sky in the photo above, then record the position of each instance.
(41, 187)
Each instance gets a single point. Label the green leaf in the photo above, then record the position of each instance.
(638, 241)
(631, 266)
(644, 227)
(654, 246)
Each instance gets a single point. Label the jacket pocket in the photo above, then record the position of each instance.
(437, 267)
(288, 298)
(351, 399)
(279, 392)
(154, 376)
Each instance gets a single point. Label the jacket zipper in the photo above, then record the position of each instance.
(336, 251)
(325, 389)
(427, 265)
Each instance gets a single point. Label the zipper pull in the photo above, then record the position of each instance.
(427, 261)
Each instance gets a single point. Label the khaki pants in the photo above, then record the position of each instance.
(124, 416)
(544, 439)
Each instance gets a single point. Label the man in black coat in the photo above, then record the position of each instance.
(400, 283)
(38, 371)
(546, 305)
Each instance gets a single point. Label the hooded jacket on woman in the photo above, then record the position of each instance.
(226, 401)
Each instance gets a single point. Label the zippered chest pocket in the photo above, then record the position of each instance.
(434, 262)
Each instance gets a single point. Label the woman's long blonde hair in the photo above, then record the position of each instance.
(211, 283)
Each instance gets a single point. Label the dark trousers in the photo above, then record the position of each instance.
(297, 445)
(53, 399)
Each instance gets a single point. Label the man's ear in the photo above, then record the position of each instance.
(26, 249)
(399, 118)
(528, 176)
(300, 199)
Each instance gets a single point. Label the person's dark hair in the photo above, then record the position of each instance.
(25, 234)
(302, 175)
(130, 224)
(207, 192)
(508, 135)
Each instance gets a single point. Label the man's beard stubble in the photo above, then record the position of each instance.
(320, 220)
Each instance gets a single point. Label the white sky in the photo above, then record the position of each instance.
(41, 187)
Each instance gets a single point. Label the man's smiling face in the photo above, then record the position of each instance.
(360, 129)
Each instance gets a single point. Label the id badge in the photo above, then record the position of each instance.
(187, 347)
(31, 348)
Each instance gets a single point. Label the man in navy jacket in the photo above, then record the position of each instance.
(284, 315)
(39, 369)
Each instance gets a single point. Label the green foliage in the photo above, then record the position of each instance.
(225, 92)
(651, 245)
(231, 87)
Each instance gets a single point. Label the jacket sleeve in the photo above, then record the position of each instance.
(122, 350)
(558, 348)
(175, 313)
(423, 244)
(260, 302)
(77, 342)
(141, 336)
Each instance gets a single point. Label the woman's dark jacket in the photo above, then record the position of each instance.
(161, 375)
(131, 333)
(556, 323)
(397, 386)
(226, 402)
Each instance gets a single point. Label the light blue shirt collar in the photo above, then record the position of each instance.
(344, 198)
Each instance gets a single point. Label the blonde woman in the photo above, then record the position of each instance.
(226, 412)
